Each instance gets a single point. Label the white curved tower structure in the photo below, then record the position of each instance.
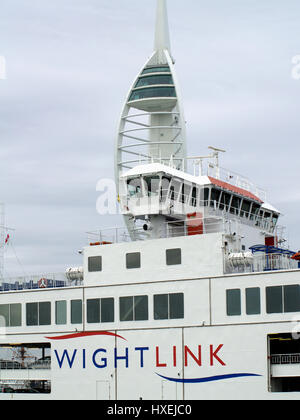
(152, 124)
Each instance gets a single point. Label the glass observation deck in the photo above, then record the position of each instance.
(156, 69)
(154, 90)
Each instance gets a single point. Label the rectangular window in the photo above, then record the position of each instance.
(292, 298)
(38, 313)
(4, 313)
(100, 310)
(32, 315)
(61, 312)
(76, 311)
(95, 264)
(233, 301)
(134, 308)
(176, 306)
(253, 306)
(133, 260)
(93, 311)
(169, 306)
(173, 256)
(274, 300)
(161, 307)
(45, 313)
(107, 310)
(15, 315)
(126, 308)
(141, 308)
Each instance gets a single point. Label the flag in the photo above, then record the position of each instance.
(7, 240)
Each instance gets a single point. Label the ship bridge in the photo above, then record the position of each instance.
(162, 195)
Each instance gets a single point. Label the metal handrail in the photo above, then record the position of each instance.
(13, 365)
(285, 359)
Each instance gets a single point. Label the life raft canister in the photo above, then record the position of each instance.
(43, 283)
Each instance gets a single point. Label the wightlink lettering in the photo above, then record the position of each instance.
(102, 358)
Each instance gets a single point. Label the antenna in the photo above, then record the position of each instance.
(216, 154)
(198, 160)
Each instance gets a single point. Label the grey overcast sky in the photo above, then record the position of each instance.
(70, 64)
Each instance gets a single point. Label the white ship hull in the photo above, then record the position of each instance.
(208, 355)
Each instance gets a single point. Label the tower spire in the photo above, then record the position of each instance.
(162, 36)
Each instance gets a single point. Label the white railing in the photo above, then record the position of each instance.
(13, 365)
(174, 202)
(285, 359)
(184, 227)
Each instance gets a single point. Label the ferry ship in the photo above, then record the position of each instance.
(197, 298)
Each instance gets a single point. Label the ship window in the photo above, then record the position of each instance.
(255, 211)
(165, 184)
(45, 313)
(15, 315)
(253, 306)
(134, 308)
(245, 208)
(76, 311)
(274, 299)
(38, 313)
(176, 306)
(140, 308)
(31, 314)
(161, 306)
(107, 310)
(161, 79)
(225, 201)
(133, 260)
(100, 310)
(135, 188)
(235, 205)
(61, 312)
(169, 306)
(155, 92)
(95, 264)
(152, 185)
(215, 197)
(175, 189)
(4, 315)
(159, 69)
(233, 302)
(275, 220)
(194, 197)
(204, 197)
(185, 193)
(292, 298)
(173, 256)
(11, 314)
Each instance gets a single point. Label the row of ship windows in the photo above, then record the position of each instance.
(131, 308)
(133, 260)
(279, 299)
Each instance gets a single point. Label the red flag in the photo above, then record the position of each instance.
(7, 239)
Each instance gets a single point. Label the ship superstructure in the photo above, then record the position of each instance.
(198, 298)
